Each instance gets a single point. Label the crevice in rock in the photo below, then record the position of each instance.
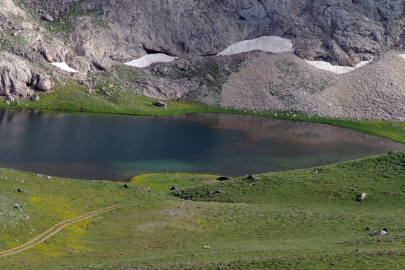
(151, 51)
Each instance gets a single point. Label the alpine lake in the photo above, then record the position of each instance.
(117, 147)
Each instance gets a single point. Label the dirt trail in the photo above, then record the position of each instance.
(59, 226)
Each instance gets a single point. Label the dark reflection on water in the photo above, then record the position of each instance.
(97, 146)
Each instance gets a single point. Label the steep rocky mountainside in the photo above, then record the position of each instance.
(341, 31)
(92, 36)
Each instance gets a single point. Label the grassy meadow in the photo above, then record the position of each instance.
(303, 219)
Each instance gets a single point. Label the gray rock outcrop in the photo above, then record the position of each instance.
(41, 81)
(54, 50)
(15, 74)
(93, 43)
(16, 77)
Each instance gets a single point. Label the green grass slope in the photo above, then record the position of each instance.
(303, 219)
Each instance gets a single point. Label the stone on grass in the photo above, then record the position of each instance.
(222, 178)
(159, 104)
(35, 97)
(10, 98)
(173, 188)
(126, 186)
(205, 247)
(380, 232)
(362, 196)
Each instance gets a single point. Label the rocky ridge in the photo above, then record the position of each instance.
(343, 32)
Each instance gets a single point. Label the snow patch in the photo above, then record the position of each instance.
(335, 69)
(271, 44)
(64, 66)
(149, 59)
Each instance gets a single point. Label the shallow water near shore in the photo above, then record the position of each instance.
(117, 147)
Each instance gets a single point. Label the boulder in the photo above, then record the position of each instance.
(86, 84)
(126, 186)
(362, 196)
(47, 18)
(35, 97)
(223, 178)
(41, 81)
(173, 188)
(103, 64)
(159, 104)
(380, 232)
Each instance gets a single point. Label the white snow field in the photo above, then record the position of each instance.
(271, 44)
(335, 69)
(64, 66)
(149, 59)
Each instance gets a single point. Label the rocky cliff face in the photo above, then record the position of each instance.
(343, 32)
